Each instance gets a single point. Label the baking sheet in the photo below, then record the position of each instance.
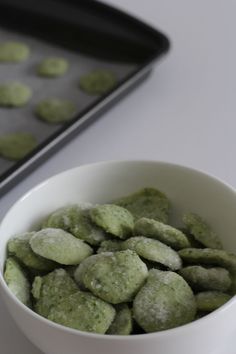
(65, 87)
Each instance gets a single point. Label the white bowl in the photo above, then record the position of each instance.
(188, 190)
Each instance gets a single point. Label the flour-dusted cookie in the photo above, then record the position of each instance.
(165, 233)
(76, 220)
(59, 246)
(13, 52)
(154, 250)
(52, 67)
(113, 219)
(82, 268)
(16, 146)
(17, 281)
(165, 301)
(59, 218)
(51, 289)
(123, 322)
(110, 246)
(202, 278)
(19, 246)
(201, 231)
(97, 82)
(83, 311)
(209, 256)
(115, 277)
(14, 94)
(55, 110)
(208, 301)
(148, 202)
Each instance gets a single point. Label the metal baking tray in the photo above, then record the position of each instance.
(90, 35)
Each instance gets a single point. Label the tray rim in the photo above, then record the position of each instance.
(49, 145)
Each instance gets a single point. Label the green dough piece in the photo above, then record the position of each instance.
(51, 289)
(115, 277)
(17, 145)
(55, 110)
(209, 301)
(209, 256)
(113, 219)
(14, 94)
(13, 52)
(110, 246)
(59, 246)
(83, 311)
(82, 268)
(52, 67)
(148, 202)
(162, 232)
(76, 220)
(19, 246)
(123, 323)
(201, 231)
(17, 281)
(97, 82)
(201, 278)
(165, 301)
(154, 250)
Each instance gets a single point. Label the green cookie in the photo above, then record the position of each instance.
(59, 246)
(201, 278)
(162, 232)
(82, 269)
(16, 146)
(97, 82)
(76, 220)
(110, 246)
(154, 251)
(209, 301)
(83, 311)
(201, 231)
(50, 289)
(113, 219)
(52, 67)
(209, 256)
(123, 323)
(13, 52)
(14, 94)
(19, 246)
(148, 202)
(17, 281)
(165, 301)
(55, 110)
(115, 277)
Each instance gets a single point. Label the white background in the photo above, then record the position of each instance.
(184, 113)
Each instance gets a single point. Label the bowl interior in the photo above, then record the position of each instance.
(187, 189)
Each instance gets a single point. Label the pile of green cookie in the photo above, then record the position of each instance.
(53, 110)
(119, 268)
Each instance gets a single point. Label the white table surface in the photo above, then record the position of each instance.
(184, 113)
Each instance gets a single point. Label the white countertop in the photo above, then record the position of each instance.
(184, 113)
